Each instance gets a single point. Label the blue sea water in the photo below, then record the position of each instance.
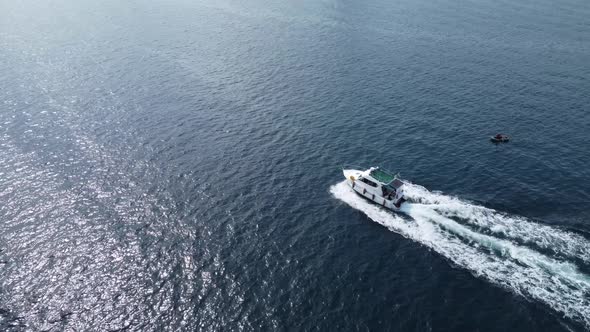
(174, 165)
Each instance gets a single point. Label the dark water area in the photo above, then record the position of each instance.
(174, 165)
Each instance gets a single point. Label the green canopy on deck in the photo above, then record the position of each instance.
(382, 176)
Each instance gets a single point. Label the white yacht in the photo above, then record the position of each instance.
(378, 185)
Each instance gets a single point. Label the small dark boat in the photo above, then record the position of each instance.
(500, 138)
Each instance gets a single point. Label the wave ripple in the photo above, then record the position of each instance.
(554, 281)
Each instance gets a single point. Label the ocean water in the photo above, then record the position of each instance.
(175, 165)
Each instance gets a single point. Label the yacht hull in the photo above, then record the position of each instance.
(371, 193)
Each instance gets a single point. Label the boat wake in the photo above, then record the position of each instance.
(533, 260)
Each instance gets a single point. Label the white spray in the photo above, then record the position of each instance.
(525, 271)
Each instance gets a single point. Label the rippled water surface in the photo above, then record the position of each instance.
(174, 165)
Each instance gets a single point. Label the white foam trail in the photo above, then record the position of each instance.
(559, 284)
(560, 242)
